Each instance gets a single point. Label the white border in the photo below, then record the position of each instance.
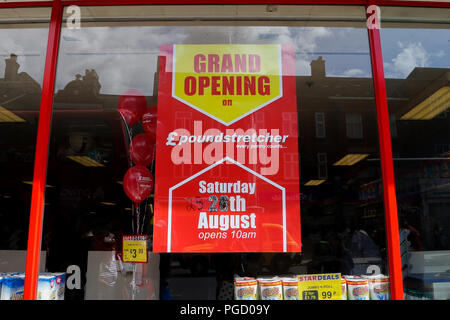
(280, 76)
(283, 190)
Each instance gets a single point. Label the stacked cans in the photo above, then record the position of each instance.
(50, 286)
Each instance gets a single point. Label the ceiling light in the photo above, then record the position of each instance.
(8, 116)
(85, 161)
(314, 182)
(31, 183)
(435, 104)
(108, 203)
(350, 159)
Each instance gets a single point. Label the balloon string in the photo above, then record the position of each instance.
(129, 132)
(138, 217)
(132, 219)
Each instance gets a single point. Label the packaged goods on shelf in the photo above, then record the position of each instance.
(290, 288)
(270, 288)
(364, 287)
(50, 286)
(1, 280)
(46, 287)
(378, 287)
(12, 287)
(344, 288)
(357, 288)
(245, 288)
(60, 285)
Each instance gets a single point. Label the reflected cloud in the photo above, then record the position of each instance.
(126, 57)
(412, 55)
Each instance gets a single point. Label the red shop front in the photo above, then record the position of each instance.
(154, 147)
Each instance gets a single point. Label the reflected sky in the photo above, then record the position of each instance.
(126, 57)
(29, 45)
(405, 49)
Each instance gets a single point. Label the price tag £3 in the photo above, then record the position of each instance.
(134, 248)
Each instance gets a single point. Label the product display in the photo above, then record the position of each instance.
(364, 287)
(51, 286)
(290, 288)
(270, 288)
(344, 288)
(378, 287)
(245, 288)
(357, 288)
(12, 287)
(60, 285)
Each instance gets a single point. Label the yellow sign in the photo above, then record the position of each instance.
(134, 248)
(227, 82)
(325, 286)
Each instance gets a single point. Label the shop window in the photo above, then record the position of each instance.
(417, 67)
(23, 39)
(129, 51)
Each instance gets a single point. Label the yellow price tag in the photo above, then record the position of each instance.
(326, 286)
(134, 248)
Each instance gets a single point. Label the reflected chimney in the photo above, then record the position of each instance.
(11, 68)
(318, 68)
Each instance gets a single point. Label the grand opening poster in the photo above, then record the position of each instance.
(227, 169)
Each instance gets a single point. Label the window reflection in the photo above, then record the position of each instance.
(417, 71)
(342, 214)
(22, 56)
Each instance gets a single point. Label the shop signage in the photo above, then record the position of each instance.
(227, 150)
(325, 286)
(134, 248)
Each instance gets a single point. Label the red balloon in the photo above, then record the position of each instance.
(138, 183)
(141, 150)
(132, 105)
(149, 122)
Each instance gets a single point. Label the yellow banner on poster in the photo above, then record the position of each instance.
(227, 82)
(326, 286)
(134, 248)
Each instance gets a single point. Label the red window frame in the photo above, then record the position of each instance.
(45, 116)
